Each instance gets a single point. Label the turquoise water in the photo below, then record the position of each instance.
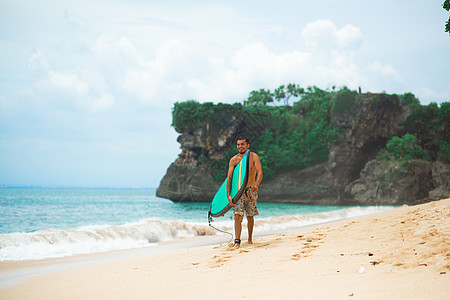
(32, 209)
(39, 223)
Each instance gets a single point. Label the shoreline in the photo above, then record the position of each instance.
(399, 253)
(51, 242)
(13, 272)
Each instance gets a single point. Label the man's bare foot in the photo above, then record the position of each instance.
(250, 241)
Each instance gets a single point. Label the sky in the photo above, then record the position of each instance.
(87, 87)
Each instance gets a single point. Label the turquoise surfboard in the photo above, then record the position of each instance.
(219, 204)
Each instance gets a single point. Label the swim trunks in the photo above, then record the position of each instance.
(246, 203)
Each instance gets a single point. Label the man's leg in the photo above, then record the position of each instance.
(237, 226)
(250, 223)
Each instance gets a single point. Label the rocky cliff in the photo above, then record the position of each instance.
(350, 176)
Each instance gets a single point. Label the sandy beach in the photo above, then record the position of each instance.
(402, 253)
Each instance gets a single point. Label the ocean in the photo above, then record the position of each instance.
(39, 223)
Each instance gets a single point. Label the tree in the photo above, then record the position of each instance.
(294, 90)
(409, 99)
(279, 93)
(261, 97)
(446, 6)
(286, 92)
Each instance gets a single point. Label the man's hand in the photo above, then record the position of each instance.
(254, 189)
(230, 201)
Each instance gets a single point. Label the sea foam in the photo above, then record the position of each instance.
(90, 239)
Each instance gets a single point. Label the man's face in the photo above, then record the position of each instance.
(242, 146)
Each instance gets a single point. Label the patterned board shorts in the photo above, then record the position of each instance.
(247, 203)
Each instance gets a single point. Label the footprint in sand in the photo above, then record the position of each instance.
(190, 266)
(221, 257)
(296, 256)
(217, 263)
(219, 260)
(262, 245)
(351, 223)
(234, 248)
(310, 243)
(215, 266)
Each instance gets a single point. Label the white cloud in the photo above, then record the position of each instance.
(255, 66)
(428, 95)
(113, 49)
(175, 71)
(150, 79)
(70, 82)
(73, 20)
(349, 37)
(80, 88)
(144, 75)
(102, 102)
(37, 62)
(328, 61)
(384, 70)
(324, 34)
(384, 77)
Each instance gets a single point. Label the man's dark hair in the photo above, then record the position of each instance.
(239, 138)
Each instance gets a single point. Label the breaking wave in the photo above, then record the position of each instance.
(58, 243)
(90, 239)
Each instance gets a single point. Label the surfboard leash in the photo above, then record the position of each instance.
(220, 230)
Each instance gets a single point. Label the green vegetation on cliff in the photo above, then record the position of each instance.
(190, 115)
(403, 149)
(285, 137)
(298, 136)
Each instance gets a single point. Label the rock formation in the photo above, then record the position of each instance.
(351, 176)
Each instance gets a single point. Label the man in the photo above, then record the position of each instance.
(247, 202)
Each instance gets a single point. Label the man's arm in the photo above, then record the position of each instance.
(229, 180)
(259, 172)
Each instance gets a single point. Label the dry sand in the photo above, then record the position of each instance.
(398, 254)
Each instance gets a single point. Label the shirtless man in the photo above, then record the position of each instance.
(247, 202)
